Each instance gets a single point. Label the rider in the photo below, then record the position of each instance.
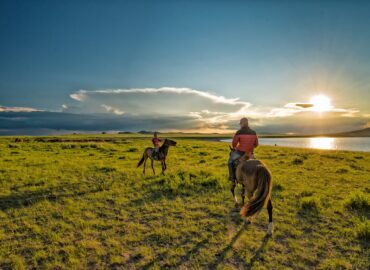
(244, 140)
(156, 142)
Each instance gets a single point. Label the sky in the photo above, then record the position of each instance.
(94, 66)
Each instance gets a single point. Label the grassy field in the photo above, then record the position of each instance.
(78, 202)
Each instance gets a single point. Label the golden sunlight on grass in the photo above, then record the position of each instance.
(79, 202)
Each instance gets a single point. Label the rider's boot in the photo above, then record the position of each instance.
(231, 173)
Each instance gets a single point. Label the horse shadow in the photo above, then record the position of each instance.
(21, 199)
(220, 257)
(258, 252)
(184, 259)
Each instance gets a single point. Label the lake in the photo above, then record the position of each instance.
(328, 143)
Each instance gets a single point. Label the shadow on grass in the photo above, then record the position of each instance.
(258, 253)
(234, 214)
(159, 189)
(221, 255)
(198, 246)
(29, 198)
(308, 217)
(186, 258)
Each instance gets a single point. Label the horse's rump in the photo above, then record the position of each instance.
(263, 191)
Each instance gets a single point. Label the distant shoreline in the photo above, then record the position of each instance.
(207, 136)
(212, 137)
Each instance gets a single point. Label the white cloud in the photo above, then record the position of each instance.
(160, 101)
(112, 110)
(81, 95)
(17, 109)
(208, 110)
(293, 108)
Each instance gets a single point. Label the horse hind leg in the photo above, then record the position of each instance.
(248, 220)
(270, 228)
(152, 166)
(146, 157)
(243, 194)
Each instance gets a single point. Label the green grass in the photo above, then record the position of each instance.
(78, 202)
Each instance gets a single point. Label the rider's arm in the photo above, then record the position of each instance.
(256, 142)
(235, 140)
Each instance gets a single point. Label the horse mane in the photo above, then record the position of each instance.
(163, 146)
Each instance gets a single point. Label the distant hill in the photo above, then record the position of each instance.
(356, 133)
(147, 132)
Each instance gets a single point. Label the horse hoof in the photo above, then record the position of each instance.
(270, 229)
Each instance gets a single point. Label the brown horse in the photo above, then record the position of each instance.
(255, 178)
(163, 152)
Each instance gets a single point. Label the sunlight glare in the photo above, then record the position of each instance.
(322, 143)
(321, 103)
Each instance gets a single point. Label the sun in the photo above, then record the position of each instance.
(321, 103)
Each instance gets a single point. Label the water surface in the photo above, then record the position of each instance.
(328, 143)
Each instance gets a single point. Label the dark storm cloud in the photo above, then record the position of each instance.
(86, 122)
(304, 105)
(39, 123)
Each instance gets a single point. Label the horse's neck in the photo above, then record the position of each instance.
(164, 149)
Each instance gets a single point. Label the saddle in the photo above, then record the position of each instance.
(157, 155)
(244, 157)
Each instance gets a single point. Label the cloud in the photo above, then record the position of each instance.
(43, 122)
(89, 122)
(304, 105)
(207, 110)
(111, 109)
(296, 108)
(17, 109)
(176, 109)
(81, 95)
(161, 102)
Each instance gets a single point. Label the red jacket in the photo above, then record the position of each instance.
(156, 142)
(245, 140)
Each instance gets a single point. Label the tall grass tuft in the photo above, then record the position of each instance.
(363, 230)
(297, 161)
(358, 201)
(309, 205)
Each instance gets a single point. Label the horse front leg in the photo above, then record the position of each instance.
(270, 228)
(233, 185)
(152, 166)
(163, 168)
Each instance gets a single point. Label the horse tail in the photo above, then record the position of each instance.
(141, 161)
(263, 192)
